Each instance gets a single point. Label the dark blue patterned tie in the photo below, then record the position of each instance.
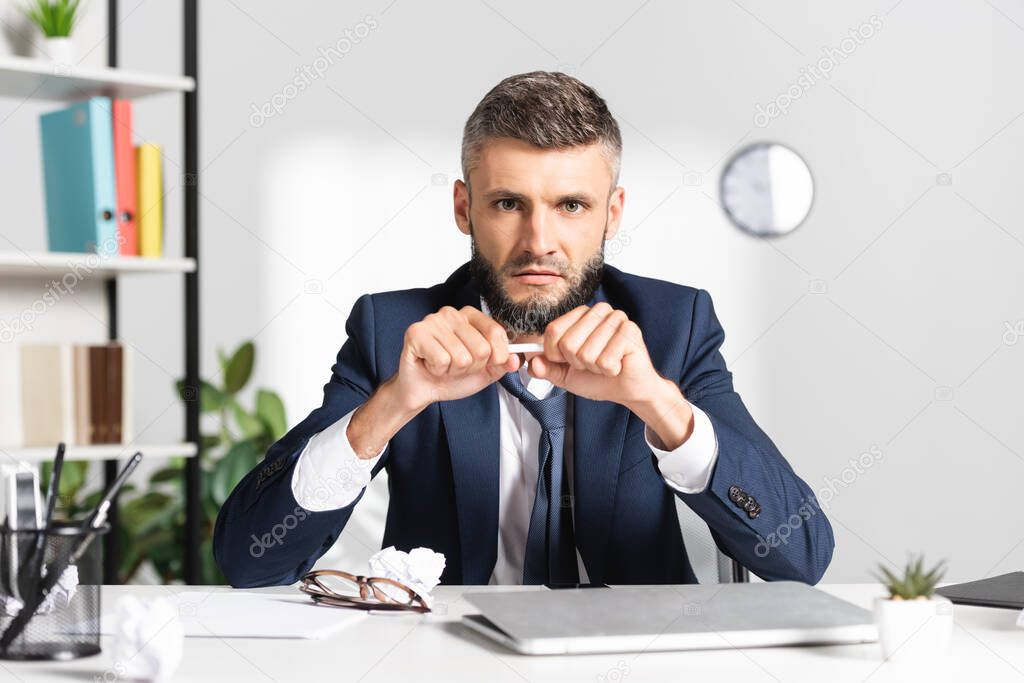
(550, 545)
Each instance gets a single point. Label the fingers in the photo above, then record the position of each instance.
(491, 330)
(556, 329)
(594, 339)
(510, 365)
(459, 342)
(609, 359)
(542, 368)
(420, 343)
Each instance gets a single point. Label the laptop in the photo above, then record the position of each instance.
(1005, 590)
(667, 617)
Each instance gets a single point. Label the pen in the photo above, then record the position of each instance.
(526, 347)
(99, 516)
(28, 573)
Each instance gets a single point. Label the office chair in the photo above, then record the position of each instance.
(709, 563)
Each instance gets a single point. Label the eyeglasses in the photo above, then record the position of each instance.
(341, 589)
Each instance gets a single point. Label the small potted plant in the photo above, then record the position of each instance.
(56, 19)
(913, 623)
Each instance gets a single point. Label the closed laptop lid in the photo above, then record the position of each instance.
(1005, 590)
(794, 612)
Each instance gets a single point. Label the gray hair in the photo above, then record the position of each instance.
(548, 109)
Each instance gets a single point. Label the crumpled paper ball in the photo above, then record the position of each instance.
(419, 569)
(149, 639)
(58, 597)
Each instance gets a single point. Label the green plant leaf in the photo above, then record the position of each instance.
(55, 18)
(230, 469)
(915, 582)
(239, 368)
(166, 557)
(72, 477)
(211, 508)
(93, 499)
(249, 424)
(166, 474)
(211, 572)
(149, 511)
(270, 408)
(211, 399)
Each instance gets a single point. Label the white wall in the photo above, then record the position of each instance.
(876, 328)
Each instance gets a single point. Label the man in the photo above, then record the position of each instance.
(558, 466)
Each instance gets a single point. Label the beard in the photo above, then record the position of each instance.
(532, 315)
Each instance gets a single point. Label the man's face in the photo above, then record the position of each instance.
(538, 220)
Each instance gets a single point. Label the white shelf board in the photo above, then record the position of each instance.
(37, 79)
(48, 264)
(97, 452)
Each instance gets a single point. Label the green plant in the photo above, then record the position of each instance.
(915, 583)
(55, 18)
(153, 522)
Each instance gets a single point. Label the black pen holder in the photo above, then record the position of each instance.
(67, 624)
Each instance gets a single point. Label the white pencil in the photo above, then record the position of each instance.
(526, 347)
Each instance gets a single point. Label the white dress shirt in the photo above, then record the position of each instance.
(329, 474)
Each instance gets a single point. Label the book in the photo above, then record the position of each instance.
(150, 209)
(47, 401)
(115, 393)
(81, 393)
(108, 393)
(98, 421)
(78, 394)
(124, 172)
(78, 176)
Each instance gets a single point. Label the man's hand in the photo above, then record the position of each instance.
(598, 353)
(452, 354)
(446, 356)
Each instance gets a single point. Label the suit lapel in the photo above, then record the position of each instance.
(599, 431)
(473, 430)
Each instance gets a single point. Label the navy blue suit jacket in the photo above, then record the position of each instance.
(443, 465)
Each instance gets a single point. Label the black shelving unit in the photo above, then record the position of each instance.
(193, 471)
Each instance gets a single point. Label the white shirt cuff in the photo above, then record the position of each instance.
(329, 475)
(688, 468)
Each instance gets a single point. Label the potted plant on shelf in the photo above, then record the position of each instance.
(56, 19)
(913, 623)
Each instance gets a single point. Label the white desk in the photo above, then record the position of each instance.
(987, 646)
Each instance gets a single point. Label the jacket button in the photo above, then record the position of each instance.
(736, 494)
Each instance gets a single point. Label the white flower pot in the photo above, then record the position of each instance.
(914, 630)
(57, 50)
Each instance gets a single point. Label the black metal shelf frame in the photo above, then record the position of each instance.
(190, 181)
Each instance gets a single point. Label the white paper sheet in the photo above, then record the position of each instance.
(231, 614)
